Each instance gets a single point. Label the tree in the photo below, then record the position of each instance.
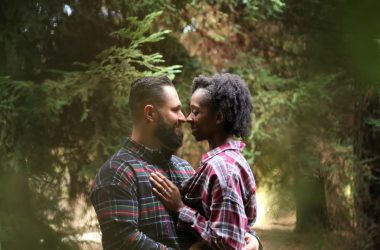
(57, 124)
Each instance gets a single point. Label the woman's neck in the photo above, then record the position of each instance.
(218, 140)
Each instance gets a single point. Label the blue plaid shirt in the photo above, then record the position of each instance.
(129, 214)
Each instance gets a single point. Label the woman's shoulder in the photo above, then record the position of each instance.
(227, 168)
(231, 163)
(220, 170)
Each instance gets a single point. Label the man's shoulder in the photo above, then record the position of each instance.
(181, 165)
(179, 162)
(118, 169)
(123, 160)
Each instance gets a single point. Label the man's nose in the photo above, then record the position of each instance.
(181, 117)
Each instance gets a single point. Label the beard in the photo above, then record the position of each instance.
(167, 135)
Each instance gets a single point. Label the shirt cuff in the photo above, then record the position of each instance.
(186, 217)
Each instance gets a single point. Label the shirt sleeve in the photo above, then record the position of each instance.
(227, 224)
(117, 211)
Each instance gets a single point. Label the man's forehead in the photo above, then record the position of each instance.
(170, 97)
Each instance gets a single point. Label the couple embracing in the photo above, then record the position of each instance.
(145, 197)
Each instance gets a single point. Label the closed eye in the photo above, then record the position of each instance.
(177, 108)
(194, 112)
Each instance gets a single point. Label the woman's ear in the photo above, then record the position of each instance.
(219, 118)
(149, 113)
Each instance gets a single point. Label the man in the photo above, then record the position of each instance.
(129, 214)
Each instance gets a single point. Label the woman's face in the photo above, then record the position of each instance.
(202, 117)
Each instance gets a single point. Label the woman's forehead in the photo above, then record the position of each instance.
(201, 96)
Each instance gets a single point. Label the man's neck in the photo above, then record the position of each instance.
(144, 138)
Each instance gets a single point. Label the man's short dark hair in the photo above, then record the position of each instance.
(147, 90)
(230, 95)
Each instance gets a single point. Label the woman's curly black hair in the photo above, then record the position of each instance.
(230, 95)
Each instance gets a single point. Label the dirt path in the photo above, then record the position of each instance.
(280, 239)
(276, 235)
(281, 236)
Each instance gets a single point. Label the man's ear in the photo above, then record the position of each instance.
(219, 118)
(149, 113)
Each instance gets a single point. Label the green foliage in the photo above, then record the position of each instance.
(374, 122)
(64, 84)
(66, 125)
(294, 143)
(256, 9)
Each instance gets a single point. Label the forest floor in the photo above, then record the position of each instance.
(276, 235)
(279, 235)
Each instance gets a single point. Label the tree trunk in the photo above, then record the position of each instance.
(311, 210)
(367, 151)
(19, 226)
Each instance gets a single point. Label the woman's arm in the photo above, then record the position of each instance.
(227, 223)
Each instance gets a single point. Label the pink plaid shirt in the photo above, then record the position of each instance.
(220, 198)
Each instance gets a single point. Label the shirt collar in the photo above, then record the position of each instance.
(230, 145)
(152, 156)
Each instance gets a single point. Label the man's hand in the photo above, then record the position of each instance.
(167, 191)
(252, 243)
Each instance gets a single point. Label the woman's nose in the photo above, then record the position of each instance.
(189, 118)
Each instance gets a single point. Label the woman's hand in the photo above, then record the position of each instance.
(168, 193)
(252, 243)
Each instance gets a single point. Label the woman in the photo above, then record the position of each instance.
(218, 203)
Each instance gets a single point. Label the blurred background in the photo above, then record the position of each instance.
(313, 70)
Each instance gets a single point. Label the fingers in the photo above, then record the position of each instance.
(166, 180)
(247, 237)
(156, 192)
(251, 241)
(159, 184)
(159, 179)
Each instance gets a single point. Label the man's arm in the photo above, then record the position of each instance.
(117, 211)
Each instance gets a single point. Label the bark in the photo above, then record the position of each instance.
(311, 209)
(19, 226)
(367, 151)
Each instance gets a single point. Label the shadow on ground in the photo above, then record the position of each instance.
(286, 239)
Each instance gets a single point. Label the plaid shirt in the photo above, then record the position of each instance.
(129, 214)
(220, 198)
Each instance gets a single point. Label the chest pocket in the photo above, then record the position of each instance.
(195, 202)
(192, 197)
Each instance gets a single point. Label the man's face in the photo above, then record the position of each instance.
(168, 129)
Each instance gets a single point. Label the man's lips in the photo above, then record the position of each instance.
(178, 129)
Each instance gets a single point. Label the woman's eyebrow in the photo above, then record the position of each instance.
(194, 106)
